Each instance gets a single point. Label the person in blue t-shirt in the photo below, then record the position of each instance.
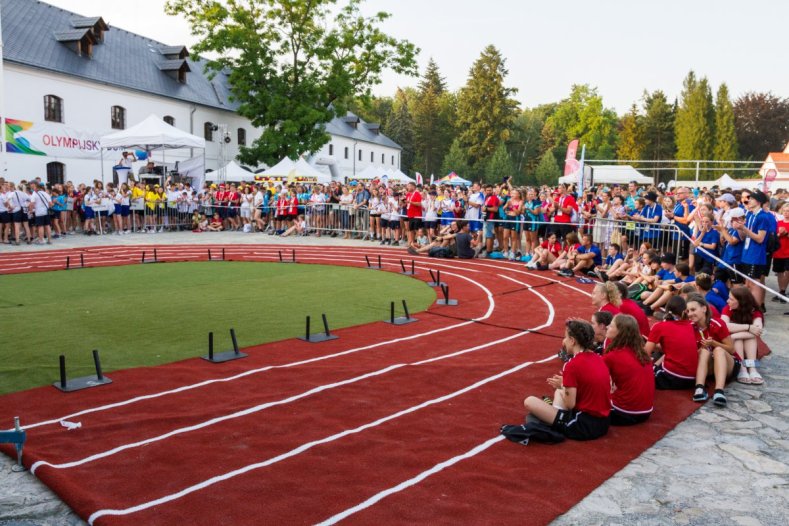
(732, 244)
(754, 251)
(651, 213)
(704, 284)
(682, 217)
(707, 238)
(585, 259)
(720, 284)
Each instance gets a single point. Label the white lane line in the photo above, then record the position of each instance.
(411, 482)
(309, 445)
(294, 398)
(491, 307)
(418, 478)
(301, 449)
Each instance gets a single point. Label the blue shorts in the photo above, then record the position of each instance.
(117, 209)
(89, 213)
(474, 226)
(490, 228)
(125, 210)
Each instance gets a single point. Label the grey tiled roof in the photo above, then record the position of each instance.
(340, 126)
(70, 35)
(124, 59)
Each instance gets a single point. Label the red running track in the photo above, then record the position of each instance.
(387, 424)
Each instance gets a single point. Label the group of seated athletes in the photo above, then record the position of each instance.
(615, 362)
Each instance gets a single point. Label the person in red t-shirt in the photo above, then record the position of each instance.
(490, 210)
(606, 296)
(676, 369)
(631, 372)
(745, 323)
(716, 351)
(546, 253)
(781, 256)
(631, 308)
(582, 400)
(563, 207)
(413, 203)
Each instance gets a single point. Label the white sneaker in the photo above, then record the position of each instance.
(161, 230)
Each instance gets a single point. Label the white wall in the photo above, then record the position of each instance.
(86, 106)
(347, 167)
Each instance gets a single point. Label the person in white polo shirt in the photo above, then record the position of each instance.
(17, 203)
(40, 201)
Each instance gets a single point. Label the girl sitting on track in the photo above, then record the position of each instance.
(632, 379)
(606, 297)
(745, 323)
(716, 351)
(545, 254)
(676, 368)
(582, 400)
(570, 247)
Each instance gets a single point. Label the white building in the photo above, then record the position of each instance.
(69, 79)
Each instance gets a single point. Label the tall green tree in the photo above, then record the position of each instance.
(499, 165)
(725, 132)
(432, 121)
(583, 116)
(695, 123)
(762, 122)
(289, 70)
(373, 109)
(455, 161)
(486, 109)
(400, 128)
(548, 171)
(631, 136)
(526, 140)
(658, 126)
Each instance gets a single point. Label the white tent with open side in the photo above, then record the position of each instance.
(298, 171)
(726, 181)
(233, 173)
(151, 134)
(400, 177)
(611, 174)
(370, 173)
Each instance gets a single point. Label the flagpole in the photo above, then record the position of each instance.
(2, 103)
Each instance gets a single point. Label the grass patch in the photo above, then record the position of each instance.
(141, 315)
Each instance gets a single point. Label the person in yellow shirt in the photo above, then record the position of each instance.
(150, 208)
(138, 204)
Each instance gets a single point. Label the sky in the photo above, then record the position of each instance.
(621, 47)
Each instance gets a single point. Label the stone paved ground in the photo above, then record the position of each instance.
(718, 467)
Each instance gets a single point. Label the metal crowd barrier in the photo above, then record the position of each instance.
(334, 218)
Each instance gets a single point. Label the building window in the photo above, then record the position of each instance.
(242, 137)
(372, 157)
(360, 154)
(53, 108)
(383, 158)
(346, 152)
(331, 149)
(118, 117)
(393, 160)
(55, 173)
(169, 120)
(208, 131)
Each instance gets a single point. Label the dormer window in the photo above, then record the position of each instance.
(174, 52)
(96, 24)
(176, 69)
(352, 120)
(80, 41)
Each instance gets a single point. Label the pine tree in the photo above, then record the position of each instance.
(400, 128)
(499, 166)
(631, 136)
(695, 123)
(432, 111)
(485, 110)
(658, 127)
(725, 132)
(547, 171)
(456, 161)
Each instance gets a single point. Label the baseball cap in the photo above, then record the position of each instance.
(728, 198)
(760, 196)
(736, 212)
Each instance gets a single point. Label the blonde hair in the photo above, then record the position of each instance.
(611, 292)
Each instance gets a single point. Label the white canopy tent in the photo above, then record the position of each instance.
(400, 177)
(233, 173)
(611, 174)
(281, 169)
(150, 135)
(298, 170)
(370, 173)
(725, 181)
(305, 170)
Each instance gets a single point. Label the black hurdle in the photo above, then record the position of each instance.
(154, 260)
(373, 267)
(225, 356)
(318, 337)
(81, 383)
(402, 320)
(292, 257)
(406, 272)
(436, 279)
(446, 300)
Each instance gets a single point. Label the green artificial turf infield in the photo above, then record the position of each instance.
(141, 315)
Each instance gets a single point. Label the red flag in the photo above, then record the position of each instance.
(418, 178)
(571, 165)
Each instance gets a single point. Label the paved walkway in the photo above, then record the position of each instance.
(726, 466)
